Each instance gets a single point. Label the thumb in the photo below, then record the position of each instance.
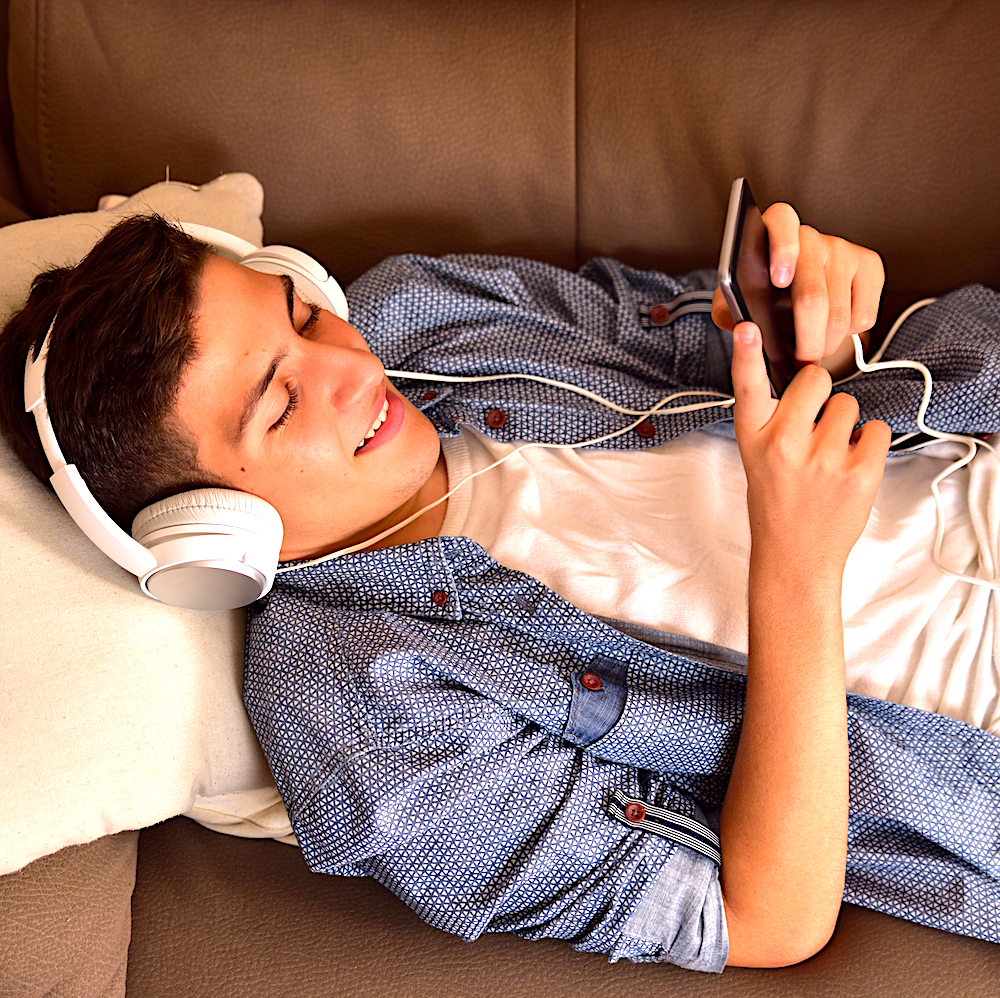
(721, 315)
(751, 388)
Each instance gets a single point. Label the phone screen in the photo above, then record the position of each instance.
(744, 275)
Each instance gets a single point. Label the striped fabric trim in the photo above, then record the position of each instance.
(671, 825)
(689, 301)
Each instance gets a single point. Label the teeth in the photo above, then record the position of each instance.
(379, 420)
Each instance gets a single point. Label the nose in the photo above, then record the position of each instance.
(350, 372)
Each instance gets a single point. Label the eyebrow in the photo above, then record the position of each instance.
(252, 398)
(289, 287)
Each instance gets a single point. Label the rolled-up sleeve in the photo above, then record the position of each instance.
(681, 918)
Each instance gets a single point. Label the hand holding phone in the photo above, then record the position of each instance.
(745, 281)
(834, 286)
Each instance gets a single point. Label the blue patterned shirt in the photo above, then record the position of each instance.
(503, 761)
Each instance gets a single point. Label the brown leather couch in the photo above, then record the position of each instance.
(558, 129)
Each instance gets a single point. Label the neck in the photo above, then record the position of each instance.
(428, 525)
(424, 526)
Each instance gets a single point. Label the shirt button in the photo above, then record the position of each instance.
(659, 313)
(591, 681)
(635, 812)
(496, 418)
(429, 396)
(645, 429)
(440, 597)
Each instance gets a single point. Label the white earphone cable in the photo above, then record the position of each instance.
(893, 329)
(721, 400)
(571, 388)
(971, 443)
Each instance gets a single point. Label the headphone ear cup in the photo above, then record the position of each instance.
(209, 507)
(312, 281)
(215, 548)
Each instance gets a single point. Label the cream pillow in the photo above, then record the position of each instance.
(118, 712)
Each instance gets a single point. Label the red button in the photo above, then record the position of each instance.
(496, 418)
(440, 597)
(591, 681)
(429, 395)
(659, 313)
(635, 813)
(645, 429)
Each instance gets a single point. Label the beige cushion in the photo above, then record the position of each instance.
(118, 711)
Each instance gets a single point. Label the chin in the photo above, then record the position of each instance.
(398, 498)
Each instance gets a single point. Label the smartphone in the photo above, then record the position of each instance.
(745, 278)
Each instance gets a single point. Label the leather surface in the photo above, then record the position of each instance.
(435, 127)
(65, 922)
(550, 128)
(876, 121)
(11, 198)
(220, 917)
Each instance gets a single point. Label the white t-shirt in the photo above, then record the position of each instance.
(660, 537)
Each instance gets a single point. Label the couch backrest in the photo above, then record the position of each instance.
(12, 205)
(559, 129)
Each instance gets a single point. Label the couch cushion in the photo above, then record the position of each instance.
(67, 921)
(213, 915)
(552, 129)
(877, 121)
(11, 198)
(375, 127)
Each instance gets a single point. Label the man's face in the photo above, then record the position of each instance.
(279, 397)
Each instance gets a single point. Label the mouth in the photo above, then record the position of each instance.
(389, 420)
(379, 420)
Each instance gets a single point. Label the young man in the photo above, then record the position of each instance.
(501, 756)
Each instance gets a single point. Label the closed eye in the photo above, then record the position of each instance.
(314, 310)
(293, 401)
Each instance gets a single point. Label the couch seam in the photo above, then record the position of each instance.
(43, 123)
(576, 134)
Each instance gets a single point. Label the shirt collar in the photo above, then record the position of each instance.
(422, 579)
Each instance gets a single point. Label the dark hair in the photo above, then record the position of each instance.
(121, 341)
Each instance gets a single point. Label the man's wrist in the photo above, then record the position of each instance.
(805, 578)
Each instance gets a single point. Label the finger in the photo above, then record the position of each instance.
(721, 315)
(803, 399)
(840, 270)
(866, 290)
(872, 444)
(751, 388)
(782, 224)
(840, 416)
(810, 301)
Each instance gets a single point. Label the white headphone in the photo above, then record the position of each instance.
(206, 549)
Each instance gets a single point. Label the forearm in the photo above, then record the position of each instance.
(811, 482)
(784, 820)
